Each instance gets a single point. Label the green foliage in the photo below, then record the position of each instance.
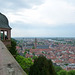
(26, 51)
(33, 53)
(42, 66)
(56, 43)
(33, 47)
(43, 52)
(25, 63)
(51, 68)
(62, 72)
(72, 72)
(69, 42)
(57, 68)
(66, 64)
(12, 49)
(34, 57)
(24, 54)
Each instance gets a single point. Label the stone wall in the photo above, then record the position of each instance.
(8, 65)
(7, 43)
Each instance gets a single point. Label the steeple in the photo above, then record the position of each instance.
(35, 42)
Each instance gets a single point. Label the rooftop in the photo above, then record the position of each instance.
(4, 21)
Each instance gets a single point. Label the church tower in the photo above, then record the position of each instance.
(35, 43)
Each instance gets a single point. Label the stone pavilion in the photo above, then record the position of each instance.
(5, 30)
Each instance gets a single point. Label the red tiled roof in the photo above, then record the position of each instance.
(71, 60)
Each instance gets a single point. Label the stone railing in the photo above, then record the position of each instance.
(8, 65)
(7, 42)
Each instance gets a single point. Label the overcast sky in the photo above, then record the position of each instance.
(40, 18)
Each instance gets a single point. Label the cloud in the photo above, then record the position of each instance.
(71, 2)
(18, 4)
(58, 11)
(40, 17)
(50, 13)
(29, 30)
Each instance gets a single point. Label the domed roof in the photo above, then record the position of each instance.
(4, 21)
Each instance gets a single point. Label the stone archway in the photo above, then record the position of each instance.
(5, 34)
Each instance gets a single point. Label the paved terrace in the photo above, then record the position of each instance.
(8, 65)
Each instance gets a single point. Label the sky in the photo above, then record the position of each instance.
(40, 18)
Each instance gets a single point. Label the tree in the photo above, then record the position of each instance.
(12, 49)
(62, 72)
(33, 53)
(27, 51)
(25, 63)
(24, 54)
(42, 66)
(33, 47)
(57, 68)
(51, 68)
(34, 57)
(72, 72)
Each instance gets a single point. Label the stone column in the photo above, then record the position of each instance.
(0, 34)
(3, 35)
(9, 34)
